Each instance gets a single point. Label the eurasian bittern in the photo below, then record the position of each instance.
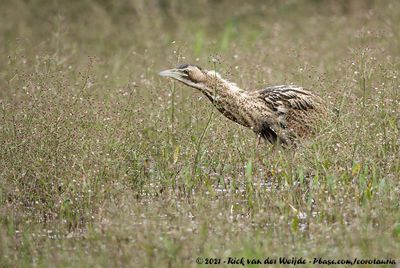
(278, 114)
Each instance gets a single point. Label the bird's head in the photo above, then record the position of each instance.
(194, 76)
(189, 74)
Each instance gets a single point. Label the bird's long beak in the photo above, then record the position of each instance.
(173, 73)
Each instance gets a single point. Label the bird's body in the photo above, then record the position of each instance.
(279, 114)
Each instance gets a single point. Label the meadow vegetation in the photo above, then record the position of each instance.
(104, 163)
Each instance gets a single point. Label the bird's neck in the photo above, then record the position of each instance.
(216, 88)
(228, 99)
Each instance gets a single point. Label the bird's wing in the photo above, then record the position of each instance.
(292, 106)
(288, 97)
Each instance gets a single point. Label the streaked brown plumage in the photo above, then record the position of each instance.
(279, 114)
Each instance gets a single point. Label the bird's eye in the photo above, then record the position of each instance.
(186, 71)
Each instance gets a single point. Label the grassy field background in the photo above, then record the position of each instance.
(104, 163)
